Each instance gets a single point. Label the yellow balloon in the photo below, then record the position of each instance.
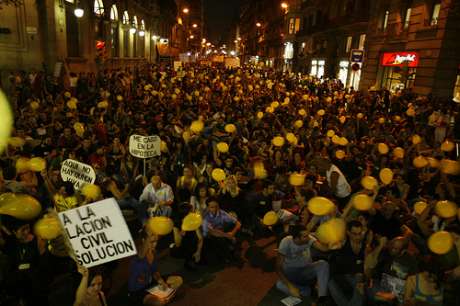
(342, 119)
(230, 128)
(416, 139)
(67, 94)
(382, 148)
(22, 206)
(22, 164)
(320, 206)
(297, 179)
(321, 112)
(290, 137)
(420, 162)
(163, 147)
(419, 207)
(160, 225)
(369, 182)
(398, 152)
(260, 115)
(286, 100)
(330, 133)
(328, 100)
(192, 222)
(91, 192)
(362, 202)
(270, 218)
(222, 147)
(34, 105)
(447, 146)
(381, 120)
(332, 231)
(298, 124)
(440, 242)
(360, 116)
(305, 97)
(269, 109)
(197, 126)
(37, 164)
(340, 154)
(186, 136)
(218, 174)
(278, 141)
(302, 112)
(343, 141)
(433, 162)
(259, 170)
(103, 104)
(446, 209)
(275, 104)
(79, 128)
(335, 139)
(119, 98)
(16, 142)
(386, 176)
(397, 118)
(6, 123)
(6, 197)
(47, 228)
(451, 167)
(72, 104)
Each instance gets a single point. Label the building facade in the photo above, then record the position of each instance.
(85, 35)
(414, 44)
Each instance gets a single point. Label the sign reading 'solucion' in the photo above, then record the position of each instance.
(79, 174)
(98, 233)
(144, 146)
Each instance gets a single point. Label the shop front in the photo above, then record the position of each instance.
(398, 70)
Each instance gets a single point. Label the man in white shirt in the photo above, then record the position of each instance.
(159, 196)
(336, 181)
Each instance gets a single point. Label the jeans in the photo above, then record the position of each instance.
(338, 294)
(139, 207)
(302, 277)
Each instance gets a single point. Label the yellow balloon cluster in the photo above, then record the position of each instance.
(6, 123)
(36, 164)
(320, 206)
(160, 225)
(192, 222)
(332, 231)
(47, 228)
(19, 206)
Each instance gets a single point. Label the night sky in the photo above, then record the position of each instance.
(220, 17)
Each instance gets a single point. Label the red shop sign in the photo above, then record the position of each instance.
(398, 59)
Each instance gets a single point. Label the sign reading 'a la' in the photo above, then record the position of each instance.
(98, 233)
(79, 174)
(144, 146)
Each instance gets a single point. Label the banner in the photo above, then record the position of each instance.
(144, 146)
(98, 233)
(78, 173)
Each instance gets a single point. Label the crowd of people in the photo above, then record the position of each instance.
(285, 146)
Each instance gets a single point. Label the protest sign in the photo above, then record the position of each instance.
(98, 233)
(78, 173)
(144, 146)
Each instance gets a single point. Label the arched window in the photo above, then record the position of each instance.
(135, 24)
(125, 17)
(114, 13)
(142, 25)
(98, 7)
(135, 40)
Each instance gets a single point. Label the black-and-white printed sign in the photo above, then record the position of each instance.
(79, 174)
(98, 233)
(144, 146)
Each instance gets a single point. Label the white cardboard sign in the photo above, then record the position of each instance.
(78, 173)
(144, 146)
(98, 233)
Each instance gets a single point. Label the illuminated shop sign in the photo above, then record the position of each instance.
(399, 58)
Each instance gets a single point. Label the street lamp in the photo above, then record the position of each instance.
(195, 25)
(132, 30)
(154, 37)
(258, 24)
(141, 33)
(185, 10)
(284, 5)
(192, 36)
(79, 12)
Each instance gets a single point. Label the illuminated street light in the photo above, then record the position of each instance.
(208, 44)
(141, 33)
(239, 38)
(192, 36)
(284, 5)
(258, 24)
(195, 25)
(132, 30)
(203, 41)
(235, 41)
(79, 12)
(154, 37)
(185, 10)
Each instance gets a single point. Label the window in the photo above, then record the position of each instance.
(297, 25)
(348, 45)
(314, 67)
(343, 71)
(135, 25)
(457, 89)
(114, 13)
(362, 41)
(317, 68)
(141, 39)
(407, 18)
(435, 15)
(385, 20)
(98, 8)
(291, 26)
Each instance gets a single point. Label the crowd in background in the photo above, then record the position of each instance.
(335, 140)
